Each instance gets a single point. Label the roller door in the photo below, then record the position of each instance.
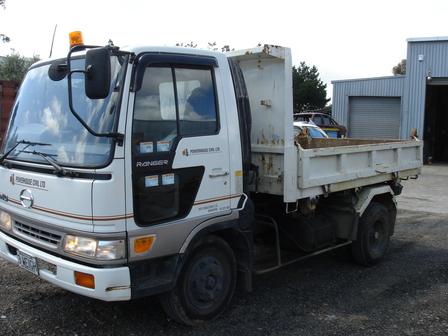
(374, 117)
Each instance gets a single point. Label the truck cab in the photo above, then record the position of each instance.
(117, 162)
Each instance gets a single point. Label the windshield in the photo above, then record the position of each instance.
(302, 118)
(42, 116)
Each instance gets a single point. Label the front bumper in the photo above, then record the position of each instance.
(111, 284)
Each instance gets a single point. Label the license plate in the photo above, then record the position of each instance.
(27, 262)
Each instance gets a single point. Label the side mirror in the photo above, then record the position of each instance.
(57, 70)
(97, 75)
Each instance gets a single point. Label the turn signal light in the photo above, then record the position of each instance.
(143, 244)
(75, 38)
(85, 280)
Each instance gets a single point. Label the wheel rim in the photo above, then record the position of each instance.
(205, 283)
(377, 237)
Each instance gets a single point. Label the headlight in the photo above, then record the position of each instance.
(5, 220)
(94, 248)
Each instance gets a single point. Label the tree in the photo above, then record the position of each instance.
(187, 45)
(14, 67)
(400, 68)
(226, 48)
(4, 38)
(210, 46)
(309, 92)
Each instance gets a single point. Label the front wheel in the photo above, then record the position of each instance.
(205, 285)
(373, 235)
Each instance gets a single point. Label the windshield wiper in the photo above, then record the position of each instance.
(28, 143)
(59, 170)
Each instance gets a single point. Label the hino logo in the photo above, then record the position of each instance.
(26, 198)
(152, 163)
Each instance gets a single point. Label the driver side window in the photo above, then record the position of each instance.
(173, 102)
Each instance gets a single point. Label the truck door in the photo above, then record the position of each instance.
(180, 156)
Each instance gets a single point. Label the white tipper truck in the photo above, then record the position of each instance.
(129, 172)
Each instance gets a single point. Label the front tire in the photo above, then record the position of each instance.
(373, 235)
(205, 285)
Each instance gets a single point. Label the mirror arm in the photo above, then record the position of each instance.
(119, 137)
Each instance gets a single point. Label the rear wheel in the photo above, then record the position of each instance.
(205, 285)
(373, 235)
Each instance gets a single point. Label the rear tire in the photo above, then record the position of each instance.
(205, 285)
(373, 235)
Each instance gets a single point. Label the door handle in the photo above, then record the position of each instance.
(218, 174)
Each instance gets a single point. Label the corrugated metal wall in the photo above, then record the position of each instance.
(426, 57)
(391, 86)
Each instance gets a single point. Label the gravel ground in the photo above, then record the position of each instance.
(406, 294)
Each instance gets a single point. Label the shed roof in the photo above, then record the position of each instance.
(367, 79)
(427, 39)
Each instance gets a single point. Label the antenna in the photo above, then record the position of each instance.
(52, 41)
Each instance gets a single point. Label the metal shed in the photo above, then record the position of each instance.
(369, 107)
(391, 107)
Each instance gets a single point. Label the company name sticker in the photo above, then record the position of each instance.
(39, 184)
(205, 150)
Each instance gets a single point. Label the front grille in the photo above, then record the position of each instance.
(37, 233)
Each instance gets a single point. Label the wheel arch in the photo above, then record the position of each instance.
(240, 241)
(206, 284)
(381, 193)
(160, 275)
